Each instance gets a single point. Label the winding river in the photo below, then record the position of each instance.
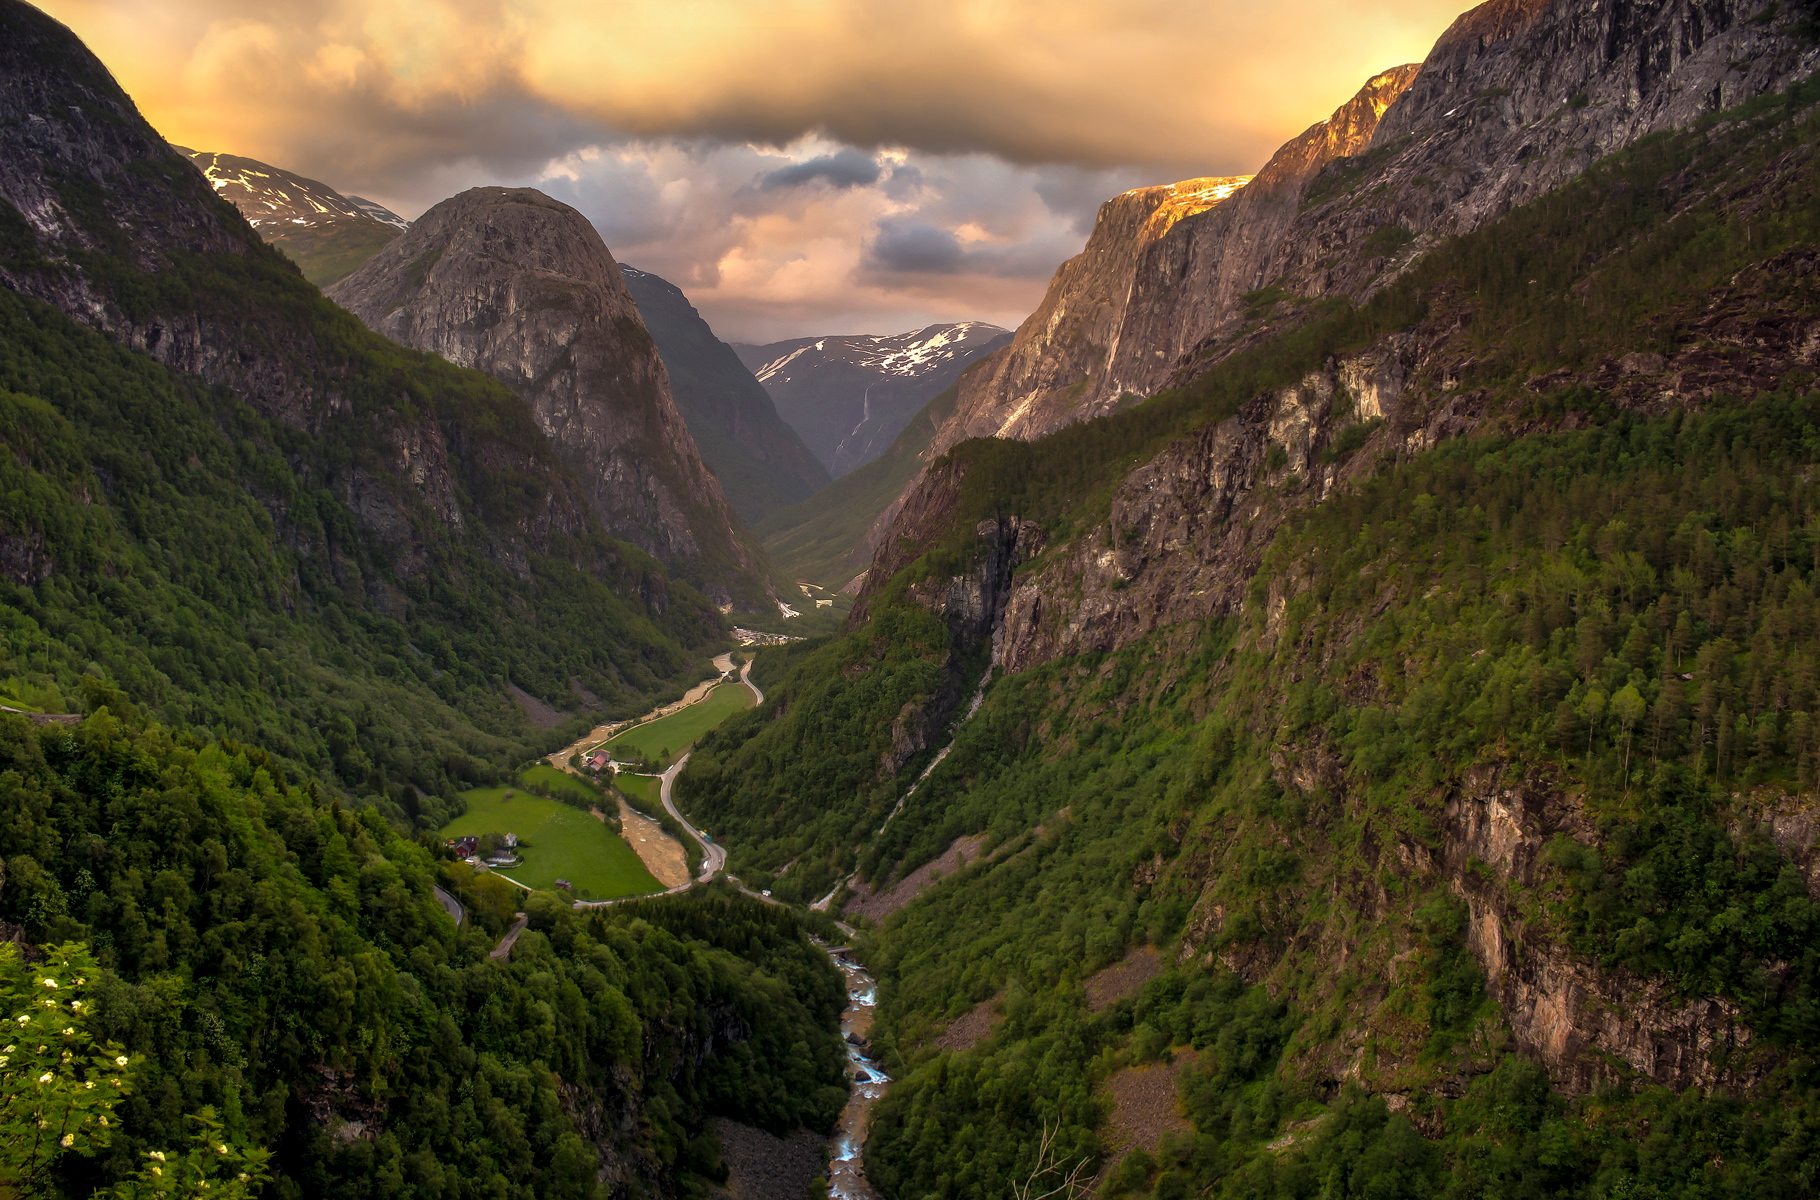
(846, 1164)
(846, 1152)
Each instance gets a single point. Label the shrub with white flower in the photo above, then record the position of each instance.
(214, 1166)
(58, 1087)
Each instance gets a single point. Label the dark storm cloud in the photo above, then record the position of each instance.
(845, 169)
(912, 245)
(1180, 88)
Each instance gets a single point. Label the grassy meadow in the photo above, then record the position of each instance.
(667, 737)
(557, 841)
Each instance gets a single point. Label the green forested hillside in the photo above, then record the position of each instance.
(274, 590)
(170, 543)
(279, 957)
(1596, 610)
(232, 502)
(1535, 609)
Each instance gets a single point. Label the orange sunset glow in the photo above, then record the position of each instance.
(1009, 121)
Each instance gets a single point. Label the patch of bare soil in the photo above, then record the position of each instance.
(763, 1166)
(971, 1027)
(662, 854)
(1144, 1106)
(536, 711)
(1124, 978)
(877, 906)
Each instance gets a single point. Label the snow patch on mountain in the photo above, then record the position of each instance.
(904, 355)
(267, 195)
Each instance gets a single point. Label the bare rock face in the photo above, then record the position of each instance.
(1163, 268)
(1588, 1025)
(1516, 98)
(1195, 283)
(520, 286)
(1054, 370)
(1187, 529)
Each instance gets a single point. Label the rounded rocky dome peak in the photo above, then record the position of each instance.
(525, 228)
(528, 202)
(504, 195)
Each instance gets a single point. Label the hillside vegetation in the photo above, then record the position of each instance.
(1588, 625)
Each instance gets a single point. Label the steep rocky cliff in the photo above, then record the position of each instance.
(760, 461)
(1054, 369)
(1161, 269)
(1589, 1025)
(108, 223)
(1516, 97)
(520, 286)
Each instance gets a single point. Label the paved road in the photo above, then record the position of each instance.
(450, 905)
(713, 858)
(511, 938)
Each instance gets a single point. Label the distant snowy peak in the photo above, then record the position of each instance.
(269, 196)
(900, 355)
(850, 396)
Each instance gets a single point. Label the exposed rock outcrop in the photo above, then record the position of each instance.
(520, 286)
(1187, 529)
(1054, 371)
(1587, 1024)
(1517, 97)
(971, 603)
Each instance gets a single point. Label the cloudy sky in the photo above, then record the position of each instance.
(796, 166)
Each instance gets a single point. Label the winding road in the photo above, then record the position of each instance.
(511, 938)
(713, 857)
(846, 1165)
(457, 911)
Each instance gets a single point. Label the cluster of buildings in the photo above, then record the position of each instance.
(468, 847)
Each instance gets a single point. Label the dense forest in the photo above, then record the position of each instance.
(230, 501)
(219, 589)
(277, 958)
(1462, 849)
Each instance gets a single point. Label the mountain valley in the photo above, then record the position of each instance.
(1328, 707)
